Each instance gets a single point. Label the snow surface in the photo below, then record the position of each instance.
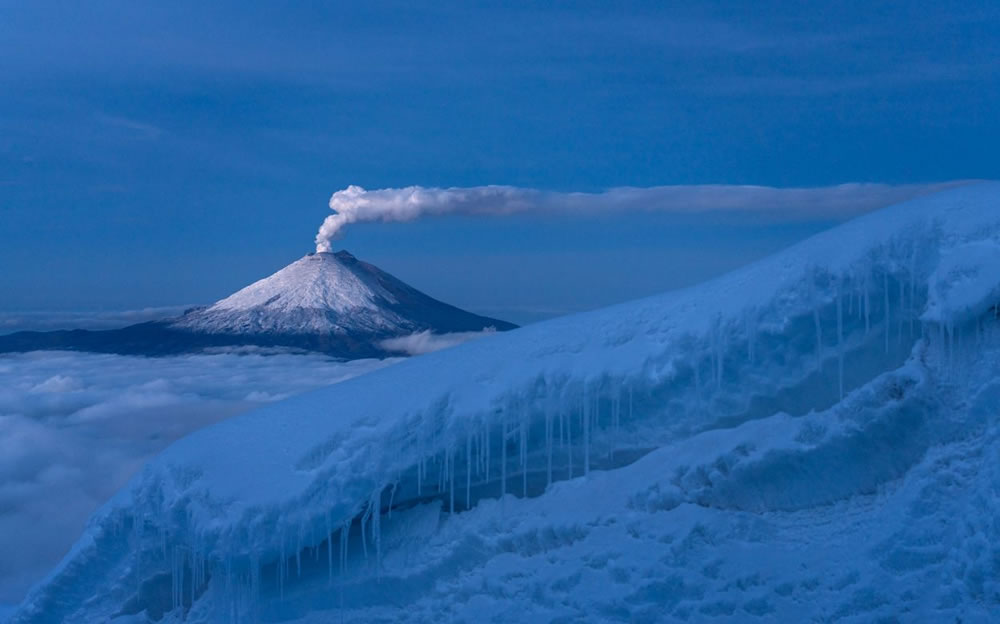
(810, 438)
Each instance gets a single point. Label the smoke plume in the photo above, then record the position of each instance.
(355, 204)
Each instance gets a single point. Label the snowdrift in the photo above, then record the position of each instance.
(812, 437)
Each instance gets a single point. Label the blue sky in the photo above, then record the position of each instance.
(155, 154)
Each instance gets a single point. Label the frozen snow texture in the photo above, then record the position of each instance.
(810, 438)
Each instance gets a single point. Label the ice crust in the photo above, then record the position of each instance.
(812, 437)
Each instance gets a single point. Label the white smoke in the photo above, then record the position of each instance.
(355, 204)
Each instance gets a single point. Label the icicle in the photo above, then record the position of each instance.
(180, 580)
(468, 470)
(697, 381)
(901, 313)
(586, 432)
(136, 542)
(329, 550)
(868, 306)
(487, 435)
(298, 554)
(392, 496)
(420, 475)
(562, 428)
(345, 538)
(255, 578)
(376, 506)
(888, 323)
(503, 455)
(913, 286)
(364, 538)
(482, 451)
(569, 445)
(717, 350)
(840, 341)
(442, 473)
(476, 450)
(524, 455)
(819, 334)
(615, 404)
(548, 445)
(450, 469)
(281, 569)
(173, 579)
(951, 343)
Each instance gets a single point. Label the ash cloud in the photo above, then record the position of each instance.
(74, 427)
(356, 204)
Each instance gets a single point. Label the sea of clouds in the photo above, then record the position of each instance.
(74, 427)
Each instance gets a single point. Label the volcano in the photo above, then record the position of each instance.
(326, 302)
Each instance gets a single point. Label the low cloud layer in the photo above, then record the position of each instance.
(355, 204)
(74, 427)
(426, 342)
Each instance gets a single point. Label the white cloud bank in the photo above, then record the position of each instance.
(75, 426)
(355, 204)
(426, 342)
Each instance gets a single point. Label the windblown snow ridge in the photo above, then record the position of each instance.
(843, 328)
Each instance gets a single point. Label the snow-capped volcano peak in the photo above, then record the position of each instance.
(322, 281)
(324, 293)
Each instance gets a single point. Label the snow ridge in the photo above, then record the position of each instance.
(775, 415)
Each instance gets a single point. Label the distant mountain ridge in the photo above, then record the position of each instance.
(327, 302)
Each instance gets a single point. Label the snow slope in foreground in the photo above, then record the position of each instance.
(811, 438)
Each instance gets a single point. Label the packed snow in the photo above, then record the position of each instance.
(810, 438)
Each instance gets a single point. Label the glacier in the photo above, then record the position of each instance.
(812, 437)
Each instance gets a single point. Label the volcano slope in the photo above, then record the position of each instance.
(811, 438)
